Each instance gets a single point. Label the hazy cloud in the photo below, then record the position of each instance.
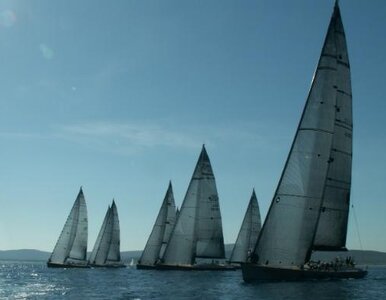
(125, 137)
(7, 18)
(46, 51)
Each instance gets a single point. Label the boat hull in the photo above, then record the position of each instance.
(199, 267)
(145, 267)
(253, 272)
(65, 266)
(108, 266)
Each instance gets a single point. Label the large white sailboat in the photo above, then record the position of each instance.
(160, 235)
(309, 210)
(106, 251)
(198, 229)
(71, 248)
(249, 231)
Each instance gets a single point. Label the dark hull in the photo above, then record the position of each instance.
(108, 266)
(54, 265)
(200, 267)
(252, 272)
(145, 267)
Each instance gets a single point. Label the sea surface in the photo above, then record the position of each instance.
(33, 280)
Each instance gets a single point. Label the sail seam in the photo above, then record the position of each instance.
(326, 68)
(299, 196)
(317, 130)
(328, 55)
(337, 180)
(342, 152)
(334, 209)
(342, 124)
(339, 62)
(337, 187)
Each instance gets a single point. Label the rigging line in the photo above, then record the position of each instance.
(357, 226)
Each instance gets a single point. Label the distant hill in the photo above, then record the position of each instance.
(361, 257)
(24, 254)
(37, 255)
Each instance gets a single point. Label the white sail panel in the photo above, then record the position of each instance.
(114, 253)
(71, 246)
(209, 234)
(160, 234)
(101, 246)
(79, 246)
(198, 232)
(171, 215)
(181, 248)
(249, 232)
(287, 235)
(66, 238)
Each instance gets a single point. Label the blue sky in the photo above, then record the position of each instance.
(119, 96)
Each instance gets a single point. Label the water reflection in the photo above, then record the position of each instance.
(35, 280)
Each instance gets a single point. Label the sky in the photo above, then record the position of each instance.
(119, 96)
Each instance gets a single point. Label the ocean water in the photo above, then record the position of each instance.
(31, 280)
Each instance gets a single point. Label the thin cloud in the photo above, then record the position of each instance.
(125, 137)
(130, 138)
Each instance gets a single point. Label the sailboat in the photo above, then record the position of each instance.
(156, 244)
(106, 251)
(310, 207)
(248, 233)
(71, 248)
(198, 229)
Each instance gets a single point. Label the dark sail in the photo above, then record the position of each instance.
(249, 232)
(332, 226)
(288, 233)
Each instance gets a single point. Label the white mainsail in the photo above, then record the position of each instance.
(71, 247)
(114, 253)
(106, 250)
(160, 234)
(248, 233)
(102, 244)
(288, 233)
(198, 229)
